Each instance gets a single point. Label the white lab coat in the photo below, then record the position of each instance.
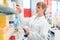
(38, 27)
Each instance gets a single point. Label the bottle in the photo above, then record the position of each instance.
(25, 37)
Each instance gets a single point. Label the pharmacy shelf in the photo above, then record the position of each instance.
(6, 10)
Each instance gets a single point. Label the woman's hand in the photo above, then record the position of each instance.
(26, 30)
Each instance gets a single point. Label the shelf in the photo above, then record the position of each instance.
(6, 10)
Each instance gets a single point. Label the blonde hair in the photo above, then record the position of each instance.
(43, 5)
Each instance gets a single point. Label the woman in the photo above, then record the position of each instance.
(38, 25)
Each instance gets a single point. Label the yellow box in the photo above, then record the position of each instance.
(5, 1)
(2, 26)
(2, 21)
(1, 35)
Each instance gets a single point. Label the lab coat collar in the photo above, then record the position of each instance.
(41, 17)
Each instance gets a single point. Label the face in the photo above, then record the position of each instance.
(39, 10)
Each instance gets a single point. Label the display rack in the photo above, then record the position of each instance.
(6, 31)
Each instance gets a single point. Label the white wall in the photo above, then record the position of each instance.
(26, 4)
